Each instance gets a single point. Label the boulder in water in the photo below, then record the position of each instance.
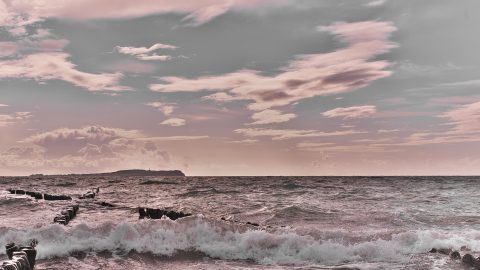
(455, 255)
(468, 259)
(159, 213)
(106, 204)
(88, 195)
(444, 251)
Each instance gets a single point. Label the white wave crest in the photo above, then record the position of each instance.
(214, 239)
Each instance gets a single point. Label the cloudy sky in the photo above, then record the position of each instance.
(240, 87)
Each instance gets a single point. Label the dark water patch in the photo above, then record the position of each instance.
(291, 186)
(66, 184)
(158, 182)
(199, 192)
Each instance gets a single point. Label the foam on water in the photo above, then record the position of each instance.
(219, 240)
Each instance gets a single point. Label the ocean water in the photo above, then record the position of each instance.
(305, 222)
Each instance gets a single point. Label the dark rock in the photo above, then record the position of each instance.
(172, 215)
(445, 251)
(31, 255)
(10, 248)
(60, 220)
(10, 265)
(253, 224)
(158, 214)
(455, 255)
(88, 195)
(66, 215)
(19, 191)
(49, 197)
(142, 213)
(106, 204)
(21, 257)
(155, 213)
(468, 259)
(37, 195)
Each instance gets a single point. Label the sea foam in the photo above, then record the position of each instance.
(219, 240)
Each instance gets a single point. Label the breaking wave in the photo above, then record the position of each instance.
(223, 241)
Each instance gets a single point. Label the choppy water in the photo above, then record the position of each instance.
(305, 222)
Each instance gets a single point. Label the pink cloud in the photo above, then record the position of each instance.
(332, 73)
(174, 122)
(18, 13)
(143, 53)
(85, 135)
(52, 45)
(9, 119)
(271, 116)
(87, 148)
(351, 112)
(154, 57)
(55, 66)
(465, 119)
(283, 134)
(143, 50)
(8, 48)
(165, 108)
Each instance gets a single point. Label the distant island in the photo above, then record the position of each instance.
(127, 173)
(144, 173)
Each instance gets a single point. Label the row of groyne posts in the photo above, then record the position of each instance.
(20, 257)
(67, 213)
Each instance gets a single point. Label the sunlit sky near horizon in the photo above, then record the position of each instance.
(240, 87)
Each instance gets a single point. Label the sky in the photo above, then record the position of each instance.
(240, 87)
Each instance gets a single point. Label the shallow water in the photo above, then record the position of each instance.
(305, 222)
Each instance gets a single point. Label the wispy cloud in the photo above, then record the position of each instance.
(56, 66)
(312, 75)
(376, 3)
(465, 119)
(284, 134)
(174, 122)
(351, 112)
(165, 108)
(8, 48)
(144, 53)
(9, 119)
(271, 116)
(16, 14)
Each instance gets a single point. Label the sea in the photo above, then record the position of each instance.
(246, 222)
